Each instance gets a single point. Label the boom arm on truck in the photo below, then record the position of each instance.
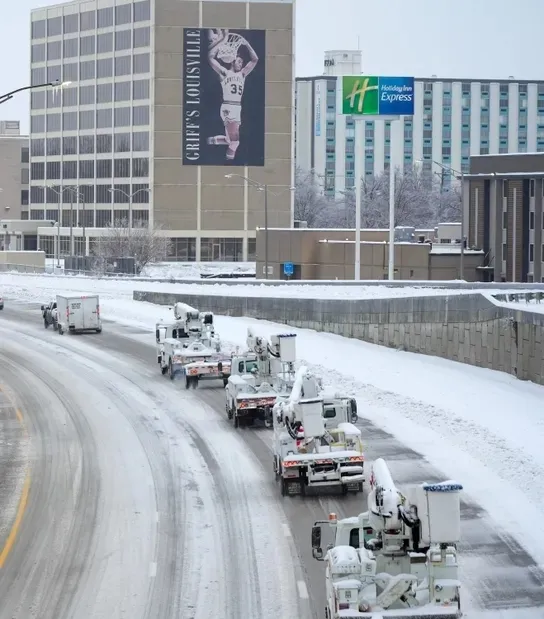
(401, 554)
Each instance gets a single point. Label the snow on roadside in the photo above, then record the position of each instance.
(16, 284)
(195, 270)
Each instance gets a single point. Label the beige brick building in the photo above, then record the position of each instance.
(142, 73)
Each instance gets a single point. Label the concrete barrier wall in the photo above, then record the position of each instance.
(467, 328)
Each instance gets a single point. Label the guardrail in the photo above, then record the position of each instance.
(516, 297)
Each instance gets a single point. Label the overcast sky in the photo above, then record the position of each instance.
(465, 38)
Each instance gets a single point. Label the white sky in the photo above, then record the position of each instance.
(463, 38)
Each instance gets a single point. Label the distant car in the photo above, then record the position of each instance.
(1, 303)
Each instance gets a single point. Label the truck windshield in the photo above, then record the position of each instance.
(251, 366)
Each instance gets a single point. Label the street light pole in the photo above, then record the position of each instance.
(71, 224)
(266, 230)
(59, 195)
(56, 84)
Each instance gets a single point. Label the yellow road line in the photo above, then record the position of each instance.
(20, 510)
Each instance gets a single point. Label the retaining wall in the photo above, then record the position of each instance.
(468, 328)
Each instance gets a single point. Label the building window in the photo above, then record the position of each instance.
(103, 93)
(104, 18)
(53, 146)
(140, 115)
(531, 220)
(24, 197)
(104, 43)
(87, 20)
(53, 99)
(87, 196)
(140, 218)
(121, 168)
(140, 167)
(37, 124)
(69, 169)
(70, 23)
(54, 50)
(142, 11)
(122, 65)
(122, 142)
(53, 170)
(37, 100)
(140, 141)
(38, 29)
(37, 52)
(141, 37)
(104, 119)
(86, 146)
(121, 194)
(70, 72)
(87, 70)
(122, 91)
(86, 95)
(532, 187)
(54, 73)
(37, 194)
(25, 176)
(104, 68)
(70, 47)
(221, 250)
(103, 143)
(103, 168)
(37, 76)
(140, 193)
(25, 154)
(69, 145)
(505, 189)
(37, 171)
(123, 14)
(69, 121)
(140, 89)
(86, 168)
(103, 218)
(69, 97)
(37, 215)
(123, 38)
(182, 250)
(86, 119)
(141, 63)
(531, 252)
(53, 122)
(121, 117)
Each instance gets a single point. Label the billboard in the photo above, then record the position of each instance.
(370, 95)
(223, 97)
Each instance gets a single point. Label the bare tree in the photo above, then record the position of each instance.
(146, 245)
(310, 203)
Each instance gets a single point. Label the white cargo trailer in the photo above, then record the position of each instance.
(77, 314)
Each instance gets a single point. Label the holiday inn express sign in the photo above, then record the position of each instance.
(370, 95)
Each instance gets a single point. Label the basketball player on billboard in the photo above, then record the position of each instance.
(232, 74)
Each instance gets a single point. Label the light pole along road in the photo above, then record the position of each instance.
(264, 188)
(60, 193)
(460, 176)
(56, 84)
(130, 198)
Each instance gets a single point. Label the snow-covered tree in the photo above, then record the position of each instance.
(311, 205)
(146, 245)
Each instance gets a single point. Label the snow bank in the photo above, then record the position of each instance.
(12, 283)
(195, 270)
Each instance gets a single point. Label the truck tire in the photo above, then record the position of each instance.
(45, 323)
(236, 421)
(194, 381)
(229, 412)
(164, 370)
(55, 325)
(99, 330)
(187, 382)
(225, 382)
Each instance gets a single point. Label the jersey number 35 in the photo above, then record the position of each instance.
(236, 89)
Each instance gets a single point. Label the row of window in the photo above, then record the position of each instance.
(93, 44)
(138, 141)
(103, 68)
(135, 90)
(484, 88)
(179, 249)
(136, 116)
(89, 194)
(89, 20)
(88, 168)
(88, 218)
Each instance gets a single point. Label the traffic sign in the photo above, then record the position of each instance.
(288, 269)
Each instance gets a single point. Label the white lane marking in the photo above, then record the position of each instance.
(286, 529)
(156, 516)
(152, 570)
(302, 590)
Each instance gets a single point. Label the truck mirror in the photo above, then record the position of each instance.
(316, 538)
(158, 336)
(317, 553)
(220, 367)
(43, 308)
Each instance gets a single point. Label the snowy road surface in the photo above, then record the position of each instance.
(497, 573)
(140, 505)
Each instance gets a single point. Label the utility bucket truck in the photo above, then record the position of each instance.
(259, 377)
(189, 347)
(398, 560)
(306, 453)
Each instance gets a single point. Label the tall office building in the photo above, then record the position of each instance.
(14, 173)
(153, 97)
(454, 119)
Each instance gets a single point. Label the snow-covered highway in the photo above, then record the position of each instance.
(223, 535)
(140, 505)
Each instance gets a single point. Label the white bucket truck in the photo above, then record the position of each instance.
(397, 560)
(259, 377)
(78, 314)
(306, 453)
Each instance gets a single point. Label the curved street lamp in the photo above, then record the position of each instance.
(54, 84)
